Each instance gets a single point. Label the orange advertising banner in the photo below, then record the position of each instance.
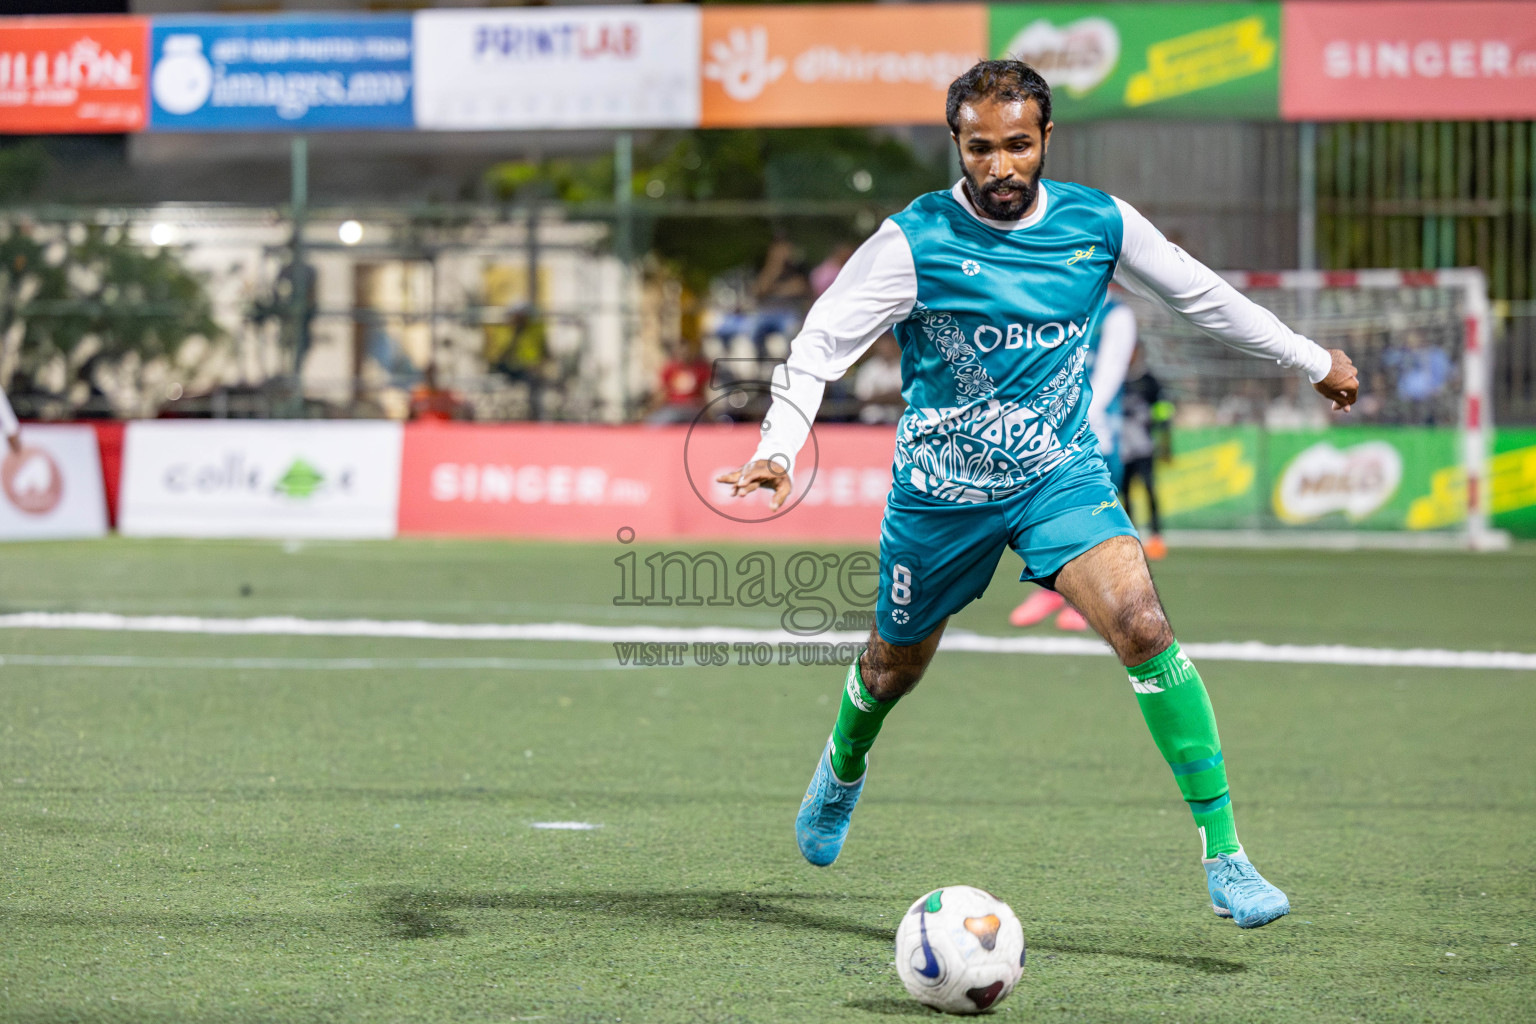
(61, 75)
(842, 64)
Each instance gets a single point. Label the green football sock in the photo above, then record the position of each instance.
(1178, 712)
(858, 723)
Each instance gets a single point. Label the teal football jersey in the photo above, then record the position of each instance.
(995, 348)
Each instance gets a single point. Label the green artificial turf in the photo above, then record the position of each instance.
(184, 837)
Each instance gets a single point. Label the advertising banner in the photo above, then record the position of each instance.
(559, 480)
(657, 483)
(1374, 478)
(536, 480)
(62, 75)
(187, 478)
(1409, 61)
(52, 489)
(557, 67)
(1197, 60)
(288, 73)
(836, 64)
(1513, 481)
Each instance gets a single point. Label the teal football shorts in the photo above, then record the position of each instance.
(937, 556)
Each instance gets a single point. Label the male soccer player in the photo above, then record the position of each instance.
(992, 289)
(1143, 424)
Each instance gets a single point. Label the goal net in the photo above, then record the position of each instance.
(1258, 457)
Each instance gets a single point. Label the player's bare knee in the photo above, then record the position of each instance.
(892, 672)
(1142, 630)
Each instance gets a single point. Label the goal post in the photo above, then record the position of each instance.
(1258, 458)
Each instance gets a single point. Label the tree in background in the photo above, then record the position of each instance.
(877, 171)
(87, 313)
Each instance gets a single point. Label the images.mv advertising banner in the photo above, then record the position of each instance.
(66, 75)
(189, 478)
(302, 73)
(557, 67)
(1211, 60)
(836, 63)
(1409, 61)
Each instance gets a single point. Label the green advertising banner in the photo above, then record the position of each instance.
(1514, 481)
(1207, 61)
(1371, 478)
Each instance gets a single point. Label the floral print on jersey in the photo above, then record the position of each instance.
(971, 378)
(986, 448)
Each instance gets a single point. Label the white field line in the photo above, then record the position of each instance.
(954, 640)
(565, 826)
(307, 664)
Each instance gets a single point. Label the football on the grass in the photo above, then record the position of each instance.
(960, 949)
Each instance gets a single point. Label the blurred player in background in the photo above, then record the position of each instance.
(8, 425)
(1109, 357)
(993, 289)
(1144, 441)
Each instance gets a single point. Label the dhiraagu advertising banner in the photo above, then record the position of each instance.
(1207, 61)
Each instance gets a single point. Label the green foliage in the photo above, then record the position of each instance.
(23, 166)
(92, 287)
(783, 165)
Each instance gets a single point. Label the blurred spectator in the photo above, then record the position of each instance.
(782, 290)
(1242, 402)
(827, 270)
(1144, 440)
(683, 382)
(431, 401)
(1422, 373)
(517, 350)
(877, 384)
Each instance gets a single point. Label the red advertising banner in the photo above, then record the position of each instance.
(60, 75)
(1408, 61)
(591, 482)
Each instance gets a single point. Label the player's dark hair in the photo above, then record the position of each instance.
(998, 80)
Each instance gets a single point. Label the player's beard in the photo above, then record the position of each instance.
(992, 208)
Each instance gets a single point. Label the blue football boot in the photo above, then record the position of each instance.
(1238, 891)
(822, 824)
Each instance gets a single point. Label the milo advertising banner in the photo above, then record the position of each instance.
(1371, 478)
(1207, 61)
(1513, 482)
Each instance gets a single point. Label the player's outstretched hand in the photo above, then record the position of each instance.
(1342, 385)
(762, 473)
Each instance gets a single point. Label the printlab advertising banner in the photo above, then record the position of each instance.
(1404, 60)
(299, 73)
(185, 478)
(52, 489)
(557, 67)
(561, 480)
(64, 75)
(1211, 60)
(836, 63)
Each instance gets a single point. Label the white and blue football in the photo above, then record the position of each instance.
(960, 949)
